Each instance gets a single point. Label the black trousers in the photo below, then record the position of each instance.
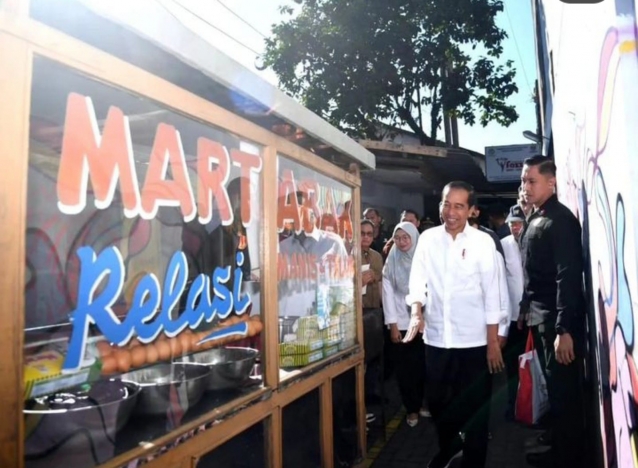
(566, 399)
(458, 389)
(409, 365)
(373, 344)
(514, 347)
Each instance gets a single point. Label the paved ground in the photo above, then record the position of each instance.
(406, 447)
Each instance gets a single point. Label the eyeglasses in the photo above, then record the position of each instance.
(401, 238)
(367, 234)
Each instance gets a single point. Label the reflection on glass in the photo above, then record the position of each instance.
(315, 266)
(142, 290)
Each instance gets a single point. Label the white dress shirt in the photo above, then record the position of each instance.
(503, 292)
(514, 274)
(457, 281)
(394, 308)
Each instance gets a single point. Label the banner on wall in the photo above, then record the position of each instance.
(504, 163)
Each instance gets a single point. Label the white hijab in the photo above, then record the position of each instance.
(397, 266)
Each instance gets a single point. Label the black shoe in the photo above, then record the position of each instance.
(539, 459)
(442, 460)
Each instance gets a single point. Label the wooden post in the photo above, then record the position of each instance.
(270, 304)
(327, 435)
(360, 391)
(15, 88)
(361, 409)
(274, 442)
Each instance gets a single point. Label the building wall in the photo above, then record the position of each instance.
(389, 199)
(595, 129)
(544, 64)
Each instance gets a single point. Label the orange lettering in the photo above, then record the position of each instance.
(249, 164)
(330, 203)
(159, 191)
(288, 206)
(212, 182)
(345, 222)
(103, 159)
(310, 190)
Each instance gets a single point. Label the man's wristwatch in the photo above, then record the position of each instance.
(560, 330)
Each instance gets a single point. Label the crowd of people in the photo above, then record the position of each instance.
(459, 301)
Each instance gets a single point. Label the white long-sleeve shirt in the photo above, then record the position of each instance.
(394, 308)
(503, 291)
(460, 277)
(513, 274)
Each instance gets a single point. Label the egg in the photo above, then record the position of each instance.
(134, 343)
(194, 340)
(123, 358)
(138, 356)
(185, 342)
(151, 353)
(104, 348)
(163, 350)
(109, 365)
(176, 347)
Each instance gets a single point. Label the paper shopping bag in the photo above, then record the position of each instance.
(532, 401)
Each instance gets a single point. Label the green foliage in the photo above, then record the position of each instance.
(355, 62)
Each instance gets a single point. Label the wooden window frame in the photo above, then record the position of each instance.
(21, 39)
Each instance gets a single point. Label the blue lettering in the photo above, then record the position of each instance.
(241, 303)
(98, 310)
(174, 284)
(100, 285)
(194, 314)
(240, 329)
(223, 301)
(146, 300)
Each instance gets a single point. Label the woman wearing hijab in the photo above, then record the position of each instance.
(409, 357)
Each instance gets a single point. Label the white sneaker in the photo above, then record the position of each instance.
(425, 413)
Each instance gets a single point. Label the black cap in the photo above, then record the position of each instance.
(516, 214)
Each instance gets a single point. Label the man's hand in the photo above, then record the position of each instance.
(395, 334)
(564, 346)
(417, 324)
(520, 323)
(367, 277)
(494, 357)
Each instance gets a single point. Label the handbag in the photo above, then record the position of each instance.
(532, 400)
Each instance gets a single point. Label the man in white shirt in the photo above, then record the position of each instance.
(454, 279)
(514, 275)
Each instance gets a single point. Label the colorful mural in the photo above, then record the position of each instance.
(595, 133)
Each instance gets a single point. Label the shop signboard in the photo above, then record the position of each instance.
(504, 163)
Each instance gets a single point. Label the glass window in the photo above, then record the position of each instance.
(302, 416)
(344, 418)
(315, 266)
(143, 264)
(245, 450)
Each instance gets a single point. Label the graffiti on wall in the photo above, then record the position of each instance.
(595, 149)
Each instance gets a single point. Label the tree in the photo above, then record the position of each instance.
(358, 62)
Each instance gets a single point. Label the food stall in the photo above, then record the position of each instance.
(180, 254)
